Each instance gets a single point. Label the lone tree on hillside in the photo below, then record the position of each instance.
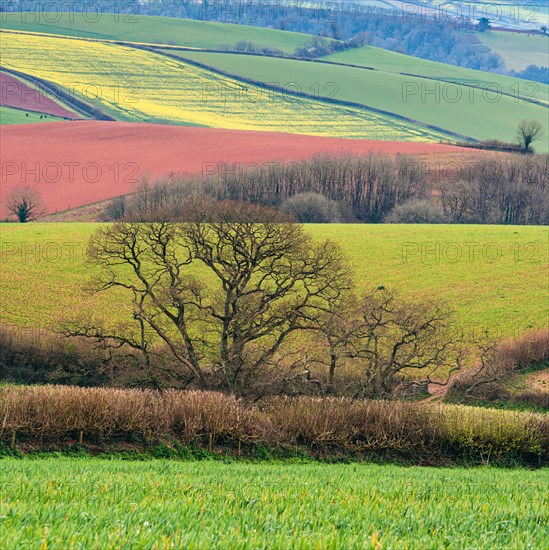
(528, 131)
(222, 296)
(25, 203)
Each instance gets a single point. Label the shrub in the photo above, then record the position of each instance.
(312, 208)
(42, 415)
(488, 381)
(533, 398)
(417, 211)
(115, 209)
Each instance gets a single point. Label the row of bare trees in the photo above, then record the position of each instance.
(250, 303)
(509, 190)
(367, 187)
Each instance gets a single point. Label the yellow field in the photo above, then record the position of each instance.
(139, 85)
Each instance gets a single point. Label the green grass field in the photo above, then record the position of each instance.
(15, 116)
(91, 503)
(474, 114)
(518, 50)
(394, 62)
(154, 30)
(493, 276)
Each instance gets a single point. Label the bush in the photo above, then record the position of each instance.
(536, 399)
(42, 415)
(312, 208)
(115, 210)
(489, 381)
(417, 211)
(38, 357)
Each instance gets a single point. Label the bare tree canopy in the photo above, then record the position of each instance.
(529, 131)
(223, 296)
(25, 203)
(387, 339)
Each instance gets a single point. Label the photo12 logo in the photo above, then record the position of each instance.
(451, 252)
(68, 172)
(69, 12)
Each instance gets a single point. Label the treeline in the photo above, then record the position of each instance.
(54, 416)
(363, 188)
(534, 72)
(375, 188)
(512, 190)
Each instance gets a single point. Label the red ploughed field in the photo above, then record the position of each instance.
(81, 162)
(15, 93)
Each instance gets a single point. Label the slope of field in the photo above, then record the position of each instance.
(20, 95)
(149, 29)
(144, 86)
(455, 107)
(394, 62)
(494, 277)
(106, 159)
(161, 504)
(518, 50)
(17, 116)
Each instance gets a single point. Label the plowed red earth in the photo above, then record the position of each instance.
(77, 163)
(15, 93)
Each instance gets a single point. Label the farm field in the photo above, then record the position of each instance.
(454, 107)
(518, 50)
(143, 86)
(493, 276)
(151, 29)
(394, 62)
(20, 95)
(110, 157)
(92, 503)
(16, 116)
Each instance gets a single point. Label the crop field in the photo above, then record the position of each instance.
(92, 503)
(110, 157)
(147, 87)
(153, 30)
(20, 95)
(394, 62)
(493, 276)
(455, 107)
(518, 50)
(16, 116)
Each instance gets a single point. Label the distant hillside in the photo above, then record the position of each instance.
(156, 30)
(517, 50)
(468, 105)
(139, 85)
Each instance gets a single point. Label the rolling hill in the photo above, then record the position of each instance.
(507, 295)
(394, 62)
(140, 85)
(153, 30)
(9, 115)
(518, 50)
(109, 158)
(467, 107)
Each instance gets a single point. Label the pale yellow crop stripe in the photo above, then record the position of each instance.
(145, 86)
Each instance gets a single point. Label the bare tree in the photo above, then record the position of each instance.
(223, 296)
(529, 131)
(388, 339)
(25, 203)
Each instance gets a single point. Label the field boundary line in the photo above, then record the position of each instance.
(331, 101)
